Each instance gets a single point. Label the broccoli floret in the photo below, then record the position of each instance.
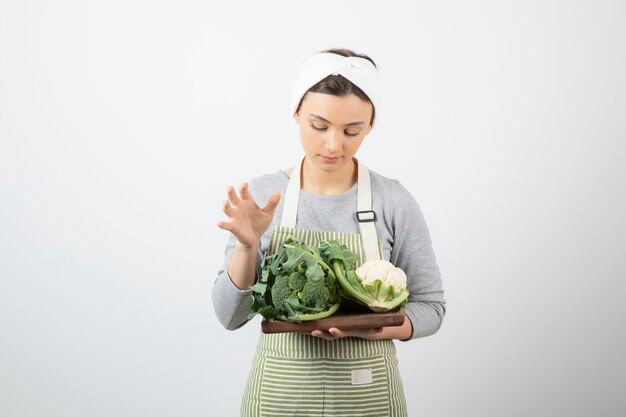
(280, 291)
(297, 281)
(315, 294)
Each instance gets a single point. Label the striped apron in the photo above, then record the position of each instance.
(297, 374)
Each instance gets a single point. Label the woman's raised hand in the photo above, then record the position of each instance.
(246, 220)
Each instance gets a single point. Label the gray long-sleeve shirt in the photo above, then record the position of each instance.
(401, 228)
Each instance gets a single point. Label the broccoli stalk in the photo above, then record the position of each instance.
(315, 316)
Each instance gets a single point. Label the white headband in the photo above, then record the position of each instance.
(360, 71)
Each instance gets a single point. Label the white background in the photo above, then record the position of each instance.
(123, 122)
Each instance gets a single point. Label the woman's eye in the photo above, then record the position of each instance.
(348, 133)
(320, 128)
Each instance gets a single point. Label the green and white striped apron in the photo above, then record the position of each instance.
(297, 374)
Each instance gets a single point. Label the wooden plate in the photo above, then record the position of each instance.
(344, 321)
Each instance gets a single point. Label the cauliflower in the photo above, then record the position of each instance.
(371, 271)
(385, 283)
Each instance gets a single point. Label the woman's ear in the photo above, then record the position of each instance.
(296, 116)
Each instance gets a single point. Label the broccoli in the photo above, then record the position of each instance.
(297, 281)
(295, 285)
(280, 291)
(315, 294)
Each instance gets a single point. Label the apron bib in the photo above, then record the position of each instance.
(295, 374)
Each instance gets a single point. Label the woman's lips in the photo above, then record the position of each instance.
(330, 159)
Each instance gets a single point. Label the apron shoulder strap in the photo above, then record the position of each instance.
(366, 216)
(292, 195)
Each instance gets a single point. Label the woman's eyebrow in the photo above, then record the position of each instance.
(326, 121)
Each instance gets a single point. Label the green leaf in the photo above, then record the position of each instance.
(259, 287)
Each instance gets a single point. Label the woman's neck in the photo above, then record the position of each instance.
(319, 182)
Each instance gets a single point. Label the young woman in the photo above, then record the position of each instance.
(336, 372)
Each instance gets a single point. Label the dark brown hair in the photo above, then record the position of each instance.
(337, 85)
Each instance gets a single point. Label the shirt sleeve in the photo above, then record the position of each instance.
(412, 251)
(231, 304)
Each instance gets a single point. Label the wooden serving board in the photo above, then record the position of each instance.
(344, 321)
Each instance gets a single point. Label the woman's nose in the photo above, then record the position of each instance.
(333, 142)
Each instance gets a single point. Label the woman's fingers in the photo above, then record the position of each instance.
(244, 191)
(246, 220)
(322, 334)
(335, 333)
(232, 195)
(227, 208)
(228, 226)
(272, 202)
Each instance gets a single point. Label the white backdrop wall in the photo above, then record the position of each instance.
(123, 122)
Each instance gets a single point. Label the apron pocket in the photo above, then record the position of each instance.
(324, 387)
(357, 387)
(292, 387)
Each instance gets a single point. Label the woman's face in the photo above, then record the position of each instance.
(332, 128)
